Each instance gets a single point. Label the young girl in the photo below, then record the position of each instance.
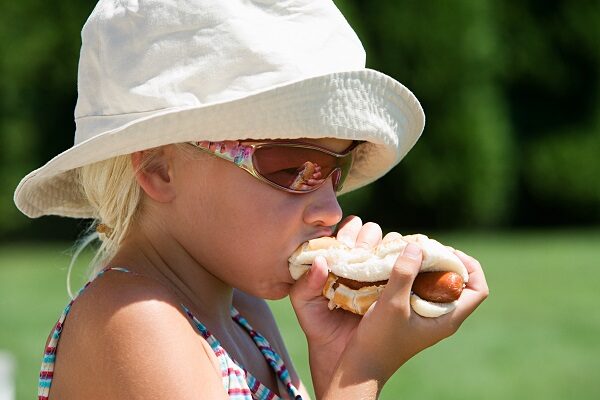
(212, 140)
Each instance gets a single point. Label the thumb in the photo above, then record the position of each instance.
(403, 274)
(310, 285)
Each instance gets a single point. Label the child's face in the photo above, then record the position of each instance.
(243, 230)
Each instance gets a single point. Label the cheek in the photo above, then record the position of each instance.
(251, 210)
(242, 230)
(256, 228)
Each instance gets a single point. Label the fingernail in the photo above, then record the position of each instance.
(412, 251)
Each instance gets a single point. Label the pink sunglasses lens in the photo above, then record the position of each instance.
(298, 168)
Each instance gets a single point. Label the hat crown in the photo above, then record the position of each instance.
(141, 56)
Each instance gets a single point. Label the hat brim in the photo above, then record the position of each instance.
(356, 105)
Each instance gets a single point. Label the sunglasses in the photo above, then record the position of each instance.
(290, 166)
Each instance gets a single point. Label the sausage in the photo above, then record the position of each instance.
(439, 286)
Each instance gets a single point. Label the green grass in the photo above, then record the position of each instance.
(536, 337)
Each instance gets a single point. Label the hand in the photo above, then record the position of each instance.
(321, 325)
(390, 333)
(328, 332)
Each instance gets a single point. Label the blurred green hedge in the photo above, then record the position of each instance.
(510, 90)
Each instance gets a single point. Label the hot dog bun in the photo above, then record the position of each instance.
(358, 275)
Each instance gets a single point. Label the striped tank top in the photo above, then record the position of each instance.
(237, 381)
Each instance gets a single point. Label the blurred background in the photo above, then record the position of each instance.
(508, 169)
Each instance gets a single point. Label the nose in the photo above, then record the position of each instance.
(323, 208)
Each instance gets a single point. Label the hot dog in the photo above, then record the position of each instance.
(358, 275)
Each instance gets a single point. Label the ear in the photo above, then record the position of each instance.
(154, 169)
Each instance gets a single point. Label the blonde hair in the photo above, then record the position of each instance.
(116, 198)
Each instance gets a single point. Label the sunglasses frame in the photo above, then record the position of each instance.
(241, 152)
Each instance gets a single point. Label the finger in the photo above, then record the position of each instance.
(369, 236)
(391, 236)
(348, 230)
(310, 285)
(476, 290)
(477, 279)
(467, 303)
(404, 272)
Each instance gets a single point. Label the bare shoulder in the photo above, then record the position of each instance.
(126, 337)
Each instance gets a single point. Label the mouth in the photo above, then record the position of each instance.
(316, 235)
(321, 233)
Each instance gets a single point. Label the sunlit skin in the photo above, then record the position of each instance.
(228, 229)
(206, 227)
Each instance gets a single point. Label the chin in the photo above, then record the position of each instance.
(276, 292)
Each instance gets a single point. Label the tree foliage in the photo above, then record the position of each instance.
(511, 94)
(39, 48)
(510, 90)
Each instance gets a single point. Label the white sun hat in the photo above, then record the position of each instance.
(155, 72)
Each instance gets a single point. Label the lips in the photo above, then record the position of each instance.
(321, 233)
(316, 235)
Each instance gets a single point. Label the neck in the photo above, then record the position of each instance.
(151, 253)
